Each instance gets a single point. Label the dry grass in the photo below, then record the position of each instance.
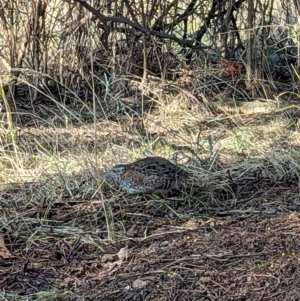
(64, 236)
(68, 239)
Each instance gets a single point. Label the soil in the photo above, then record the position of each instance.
(141, 248)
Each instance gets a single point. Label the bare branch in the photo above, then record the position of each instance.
(104, 19)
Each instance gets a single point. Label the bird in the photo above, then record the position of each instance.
(146, 176)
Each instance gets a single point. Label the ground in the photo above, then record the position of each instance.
(234, 236)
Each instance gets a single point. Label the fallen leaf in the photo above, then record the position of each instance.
(123, 254)
(4, 253)
(139, 283)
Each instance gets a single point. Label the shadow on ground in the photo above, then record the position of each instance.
(236, 239)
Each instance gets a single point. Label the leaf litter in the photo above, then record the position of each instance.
(236, 239)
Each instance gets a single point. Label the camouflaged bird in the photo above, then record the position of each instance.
(148, 175)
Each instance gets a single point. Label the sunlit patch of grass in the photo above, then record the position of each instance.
(51, 176)
(32, 153)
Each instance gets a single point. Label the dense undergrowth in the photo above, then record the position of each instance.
(79, 96)
(66, 238)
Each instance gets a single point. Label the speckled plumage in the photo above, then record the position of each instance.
(148, 175)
